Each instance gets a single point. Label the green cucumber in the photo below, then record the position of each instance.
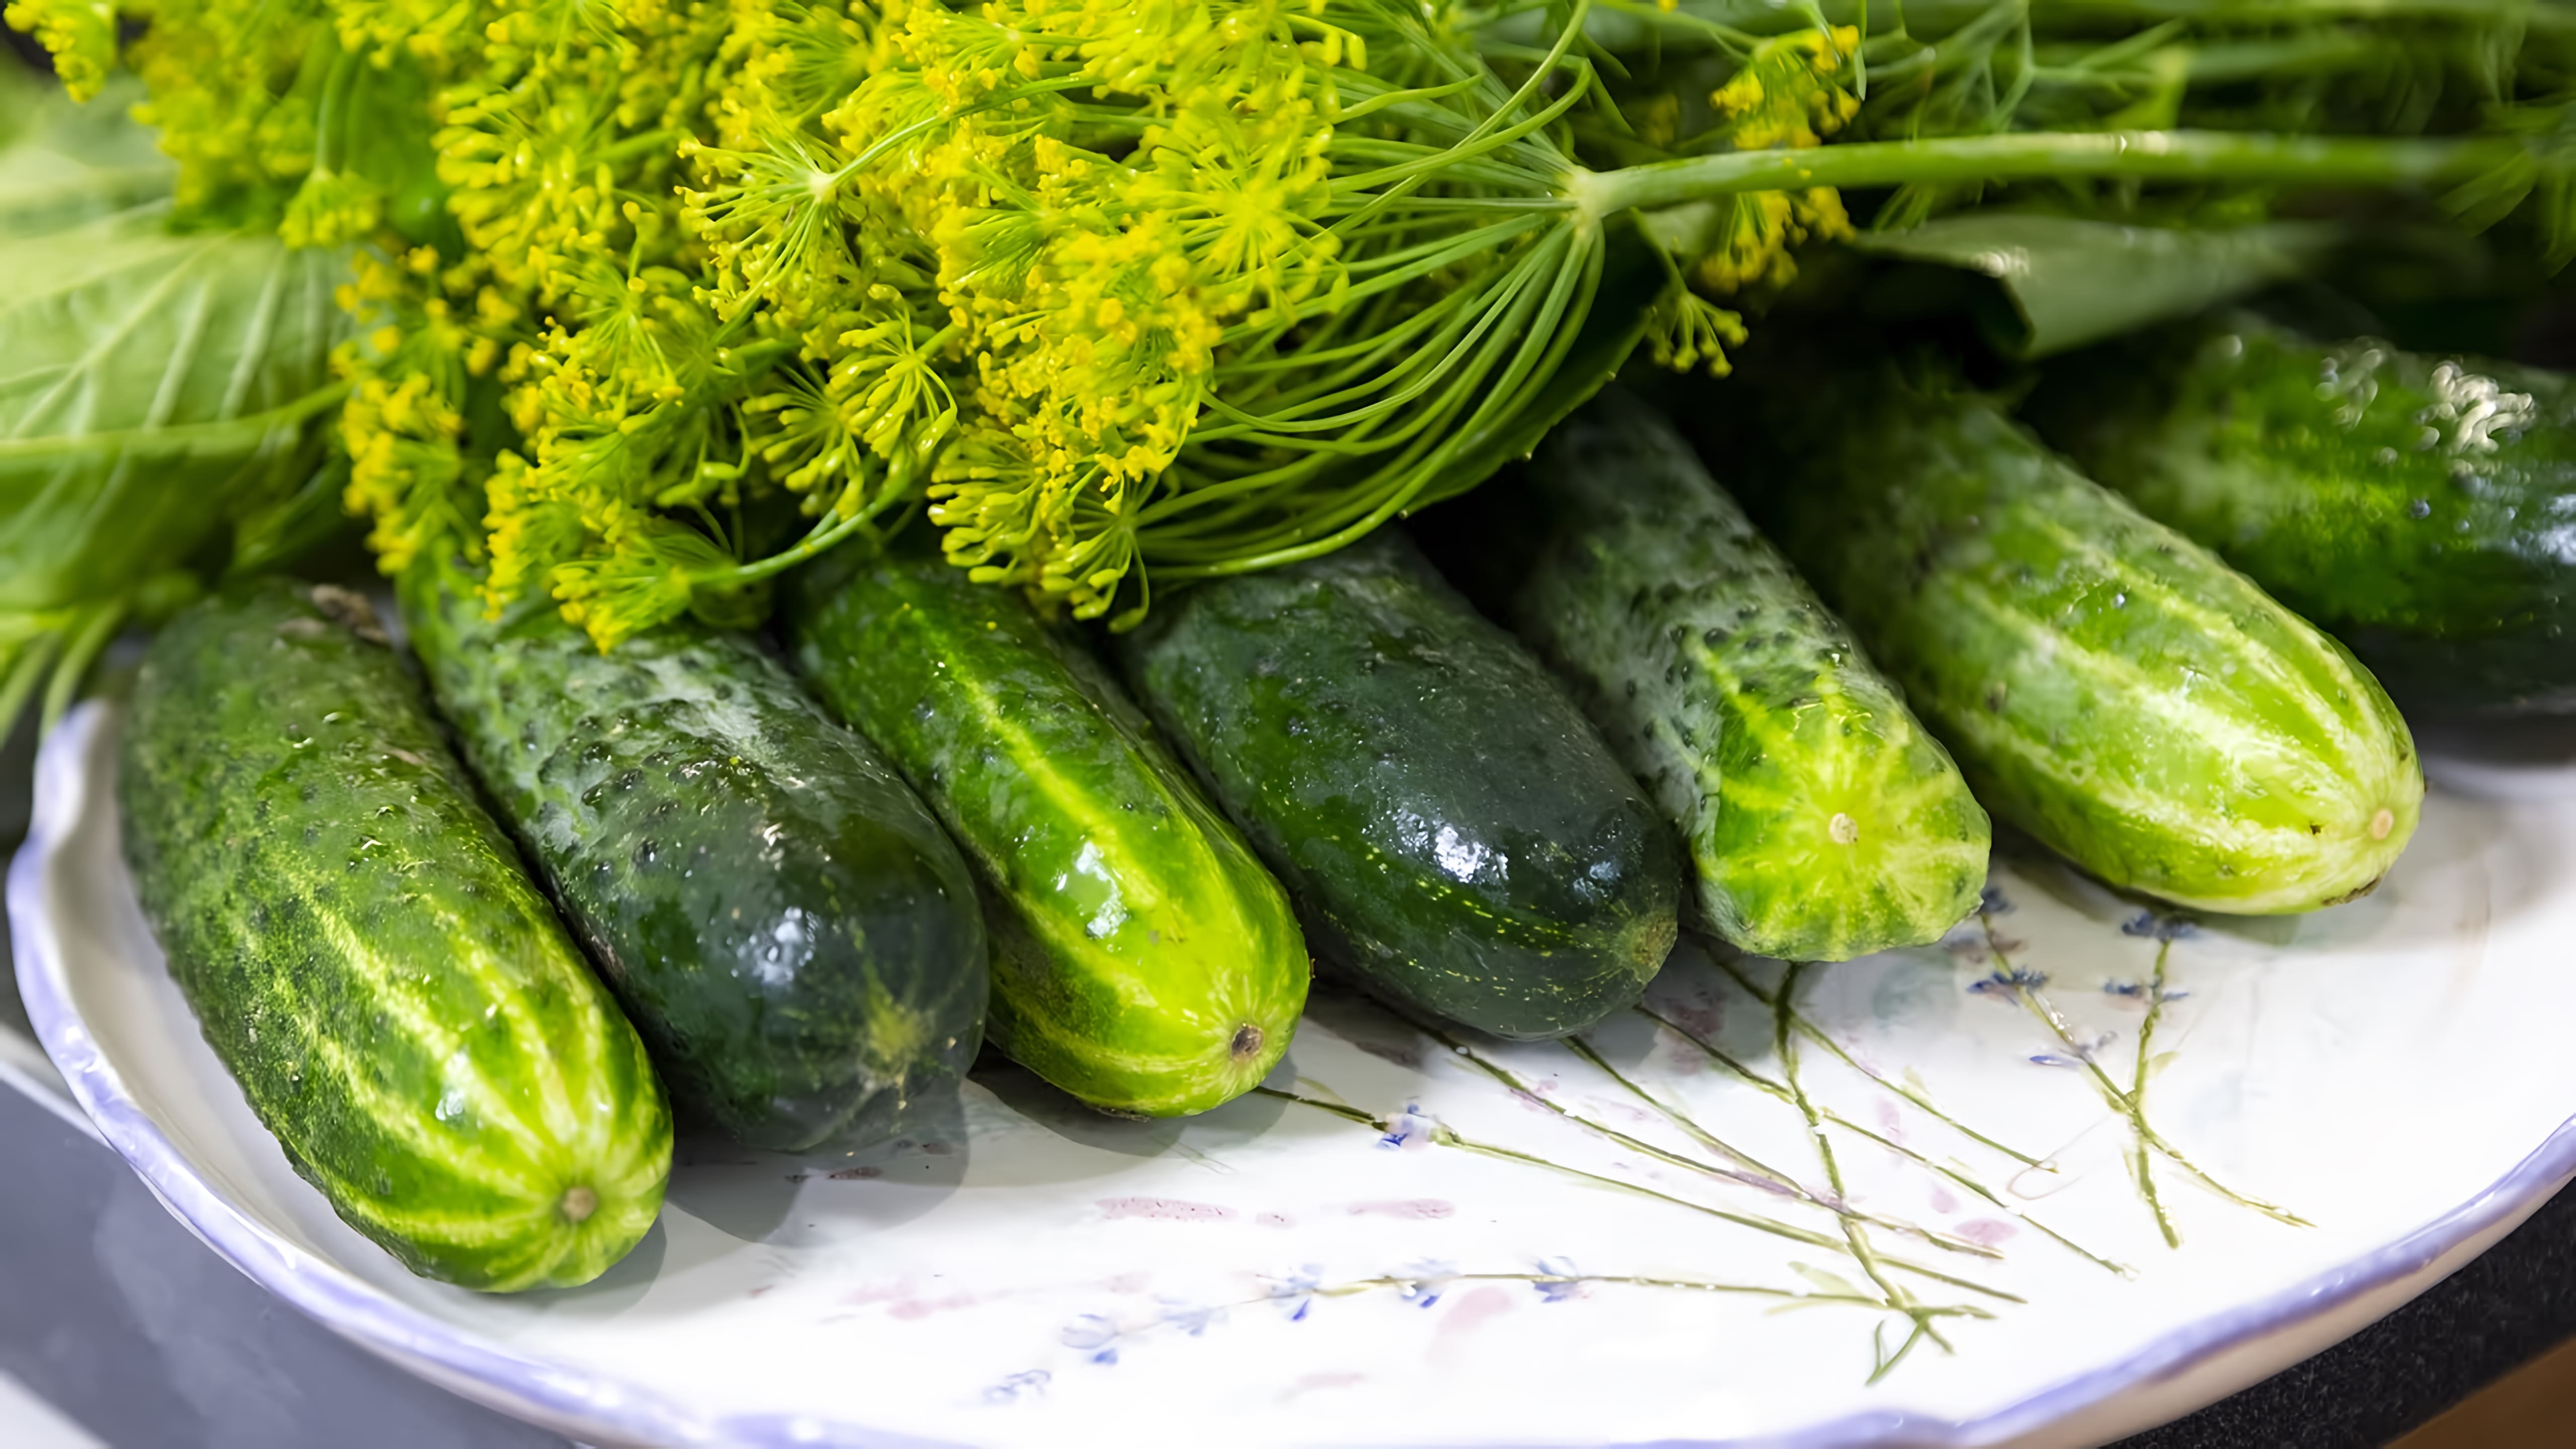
(2107, 684)
(2415, 507)
(1145, 961)
(785, 923)
(1453, 831)
(1823, 821)
(364, 953)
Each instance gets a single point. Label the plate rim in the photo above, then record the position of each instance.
(598, 1405)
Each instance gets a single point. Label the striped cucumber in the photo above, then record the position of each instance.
(364, 953)
(788, 927)
(1454, 832)
(2107, 684)
(1146, 962)
(1823, 821)
(2416, 507)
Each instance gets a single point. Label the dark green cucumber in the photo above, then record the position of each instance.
(1823, 821)
(2415, 507)
(365, 954)
(1451, 828)
(2107, 684)
(1146, 962)
(785, 923)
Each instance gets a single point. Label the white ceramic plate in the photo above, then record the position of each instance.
(1635, 1236)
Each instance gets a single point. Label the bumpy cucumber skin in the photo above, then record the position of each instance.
(1145, 961)
(1823, 820)
(2416, 507)
(2107, 684)
(363, 951)
(1451, 828)
(791, 931)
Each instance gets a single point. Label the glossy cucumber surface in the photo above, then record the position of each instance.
(1453, 830)
(2417, 507)
(1146, 962)
(368, 958)
(2107, 684)
(784, 921)
(1823, 821)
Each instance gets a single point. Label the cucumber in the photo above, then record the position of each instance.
(785, 923)
(2107, 684)
(1145, 962)
(1823, 821)
(2416, 507)
(364, 953)
(1454, 833)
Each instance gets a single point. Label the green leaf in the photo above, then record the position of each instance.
(66, 162)
(2064, 281)
(152, 386)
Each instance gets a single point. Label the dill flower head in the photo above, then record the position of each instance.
(1107, 290)
(1103, 288)
(661, 297)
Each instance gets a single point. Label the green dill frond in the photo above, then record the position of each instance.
(1112, 290)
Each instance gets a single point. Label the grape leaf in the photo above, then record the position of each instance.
(64, 163)
(156, 387)
(151, 385)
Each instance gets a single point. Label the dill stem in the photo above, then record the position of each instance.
(2138, 155)
(2539, 17)
(819, 540)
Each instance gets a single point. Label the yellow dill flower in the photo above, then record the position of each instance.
(771, 214)
(999, 507)
(1108, 284)
(403, 424)
(887, 390)
(1748, 240)
(1111, 286)
(80, 34)
(529, 535)
(652, 571)
(333, 208)
(1789, 92)
(403, 466)
(1686, 332)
